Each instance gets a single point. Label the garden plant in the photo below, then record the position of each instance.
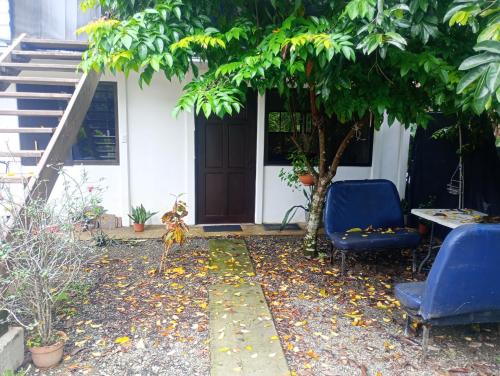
(41, 254)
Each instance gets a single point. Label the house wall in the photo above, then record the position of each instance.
(157, 156)
(55, 19)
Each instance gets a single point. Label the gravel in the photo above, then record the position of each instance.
(123, 320)
(331, 325)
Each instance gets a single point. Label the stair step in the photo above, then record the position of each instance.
(55, 44)
(41, 67)
(40, 80)
(27, 130)
(46, 113)
(30, 95)
(55, 55)
(14, 179)
(21, 154)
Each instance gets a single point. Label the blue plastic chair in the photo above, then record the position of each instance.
(463, 285)
(372, 206)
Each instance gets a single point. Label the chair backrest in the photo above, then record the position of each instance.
(362, 203)
(465, 277)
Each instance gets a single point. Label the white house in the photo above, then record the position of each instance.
(227, 170)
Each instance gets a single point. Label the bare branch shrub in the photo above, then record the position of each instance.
(40, 252)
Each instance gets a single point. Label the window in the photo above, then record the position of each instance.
(279, 129)
(97, 138)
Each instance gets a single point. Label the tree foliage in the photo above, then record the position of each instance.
(421, 50)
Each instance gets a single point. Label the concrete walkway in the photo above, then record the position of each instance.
(243, 339)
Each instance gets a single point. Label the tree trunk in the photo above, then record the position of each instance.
(315, 215)
(323, 182)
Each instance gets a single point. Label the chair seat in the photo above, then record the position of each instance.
(367, 240)
(410, 294)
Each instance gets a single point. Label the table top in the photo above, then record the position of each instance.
(451, 218)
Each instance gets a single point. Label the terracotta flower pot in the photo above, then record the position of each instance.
(423, 229)
(48, 356)
(306, 179)
(139, 227)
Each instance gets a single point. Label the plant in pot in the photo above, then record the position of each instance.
(300, 174)
(423, 225)
(41, 256)
(405, 208)
(140, 216)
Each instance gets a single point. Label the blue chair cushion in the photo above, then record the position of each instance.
(362, 203)
(378, 240)
(410, 294)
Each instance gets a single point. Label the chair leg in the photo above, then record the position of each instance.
(414, 261)
(331, 253)
(407, 326)
(425, 339)
(342, 265)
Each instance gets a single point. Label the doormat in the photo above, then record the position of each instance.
(222, 228)
(277, 227)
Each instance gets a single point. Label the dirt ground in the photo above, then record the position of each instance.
(122, 320)
(353, 325)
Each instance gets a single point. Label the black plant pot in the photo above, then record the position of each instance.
(4, 325)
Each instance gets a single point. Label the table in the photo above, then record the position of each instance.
(451, 218)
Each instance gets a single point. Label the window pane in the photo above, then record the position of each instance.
(274, 122)
(96, 140)
(279, 128)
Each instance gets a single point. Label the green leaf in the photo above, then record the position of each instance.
(127, 41)
(469, 78)
(477, 60)
(177, 12)
(143, 51)
(159, 44)
(488, 46)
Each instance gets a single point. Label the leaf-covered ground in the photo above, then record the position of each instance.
(353, 326)
(123, 321)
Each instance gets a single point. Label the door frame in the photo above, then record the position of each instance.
(259, 162)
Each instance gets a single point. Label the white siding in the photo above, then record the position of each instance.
(157, 156)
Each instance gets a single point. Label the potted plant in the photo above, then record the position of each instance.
(299, 164)
(139, 216)
(300, 174)
(41, 256)
(405, 207)
(423, 225)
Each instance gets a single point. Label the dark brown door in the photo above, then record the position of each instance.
(225, 166)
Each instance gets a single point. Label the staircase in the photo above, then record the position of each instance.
(38, 63)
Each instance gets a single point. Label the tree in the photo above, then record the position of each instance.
(354, 61)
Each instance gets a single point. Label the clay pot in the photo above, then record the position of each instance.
(306, 179)
(423, 229)
(48, 356)
(139, 227)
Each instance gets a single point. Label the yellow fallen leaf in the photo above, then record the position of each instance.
(121, 340)
(355, 229)
(224, 349)
(248, 347)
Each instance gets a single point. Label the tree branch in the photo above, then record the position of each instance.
(319, 123)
